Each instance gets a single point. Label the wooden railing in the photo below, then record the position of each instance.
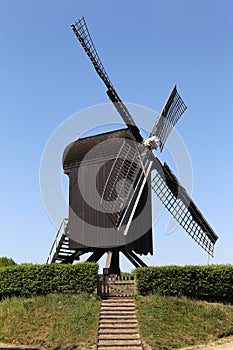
(116, 286)
(61, 231)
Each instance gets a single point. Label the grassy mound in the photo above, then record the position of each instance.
(69, 321)
(172, 323)
(54, 321)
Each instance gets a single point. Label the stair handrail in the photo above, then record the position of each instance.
(61, 231)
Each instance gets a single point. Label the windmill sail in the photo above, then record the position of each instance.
(81, 31)
(171, 113)
(133, 165)
(177, 201)
(125, 184)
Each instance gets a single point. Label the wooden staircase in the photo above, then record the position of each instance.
(60, 251)
(118, 326)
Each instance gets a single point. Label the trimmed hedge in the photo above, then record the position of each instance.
(212, 283)
(4, 261)
(28, 280)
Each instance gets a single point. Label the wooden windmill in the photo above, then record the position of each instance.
(123, 168)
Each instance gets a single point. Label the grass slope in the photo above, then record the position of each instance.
(172, 323)
(69, 321)
(54, 321)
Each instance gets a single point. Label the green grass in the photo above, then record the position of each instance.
(69, 321)
(171, 323)
(54, 321)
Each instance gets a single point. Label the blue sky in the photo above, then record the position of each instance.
(146, 47)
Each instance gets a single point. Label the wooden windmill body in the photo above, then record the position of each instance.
(82, 162)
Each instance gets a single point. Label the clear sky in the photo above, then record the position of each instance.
(146, 47)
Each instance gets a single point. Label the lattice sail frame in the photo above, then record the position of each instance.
(125, 183)
(81, 31)
(171, 113)
(180, 205)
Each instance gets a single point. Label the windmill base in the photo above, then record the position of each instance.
(112, 265)
(64, 251)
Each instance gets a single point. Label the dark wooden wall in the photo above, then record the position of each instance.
(90, 228)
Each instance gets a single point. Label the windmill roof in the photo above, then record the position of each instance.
(94, 148)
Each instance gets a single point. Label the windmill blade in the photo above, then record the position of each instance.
(125, 183)
(81, 31)
(177, 201)
(171, 113)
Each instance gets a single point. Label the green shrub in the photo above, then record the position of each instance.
(212, 283)
(28, 280)
(4, 261)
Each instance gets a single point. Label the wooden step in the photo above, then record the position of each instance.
(117, 336)
(117, 300)
(118, 305)
(118, 317)
(116, 312)
(118, 343)
(118, 327)
(118, 330)
(117, 323)
(109, 347)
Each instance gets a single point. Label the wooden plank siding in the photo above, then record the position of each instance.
(89, 226)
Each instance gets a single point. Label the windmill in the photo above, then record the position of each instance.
(126, 173)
